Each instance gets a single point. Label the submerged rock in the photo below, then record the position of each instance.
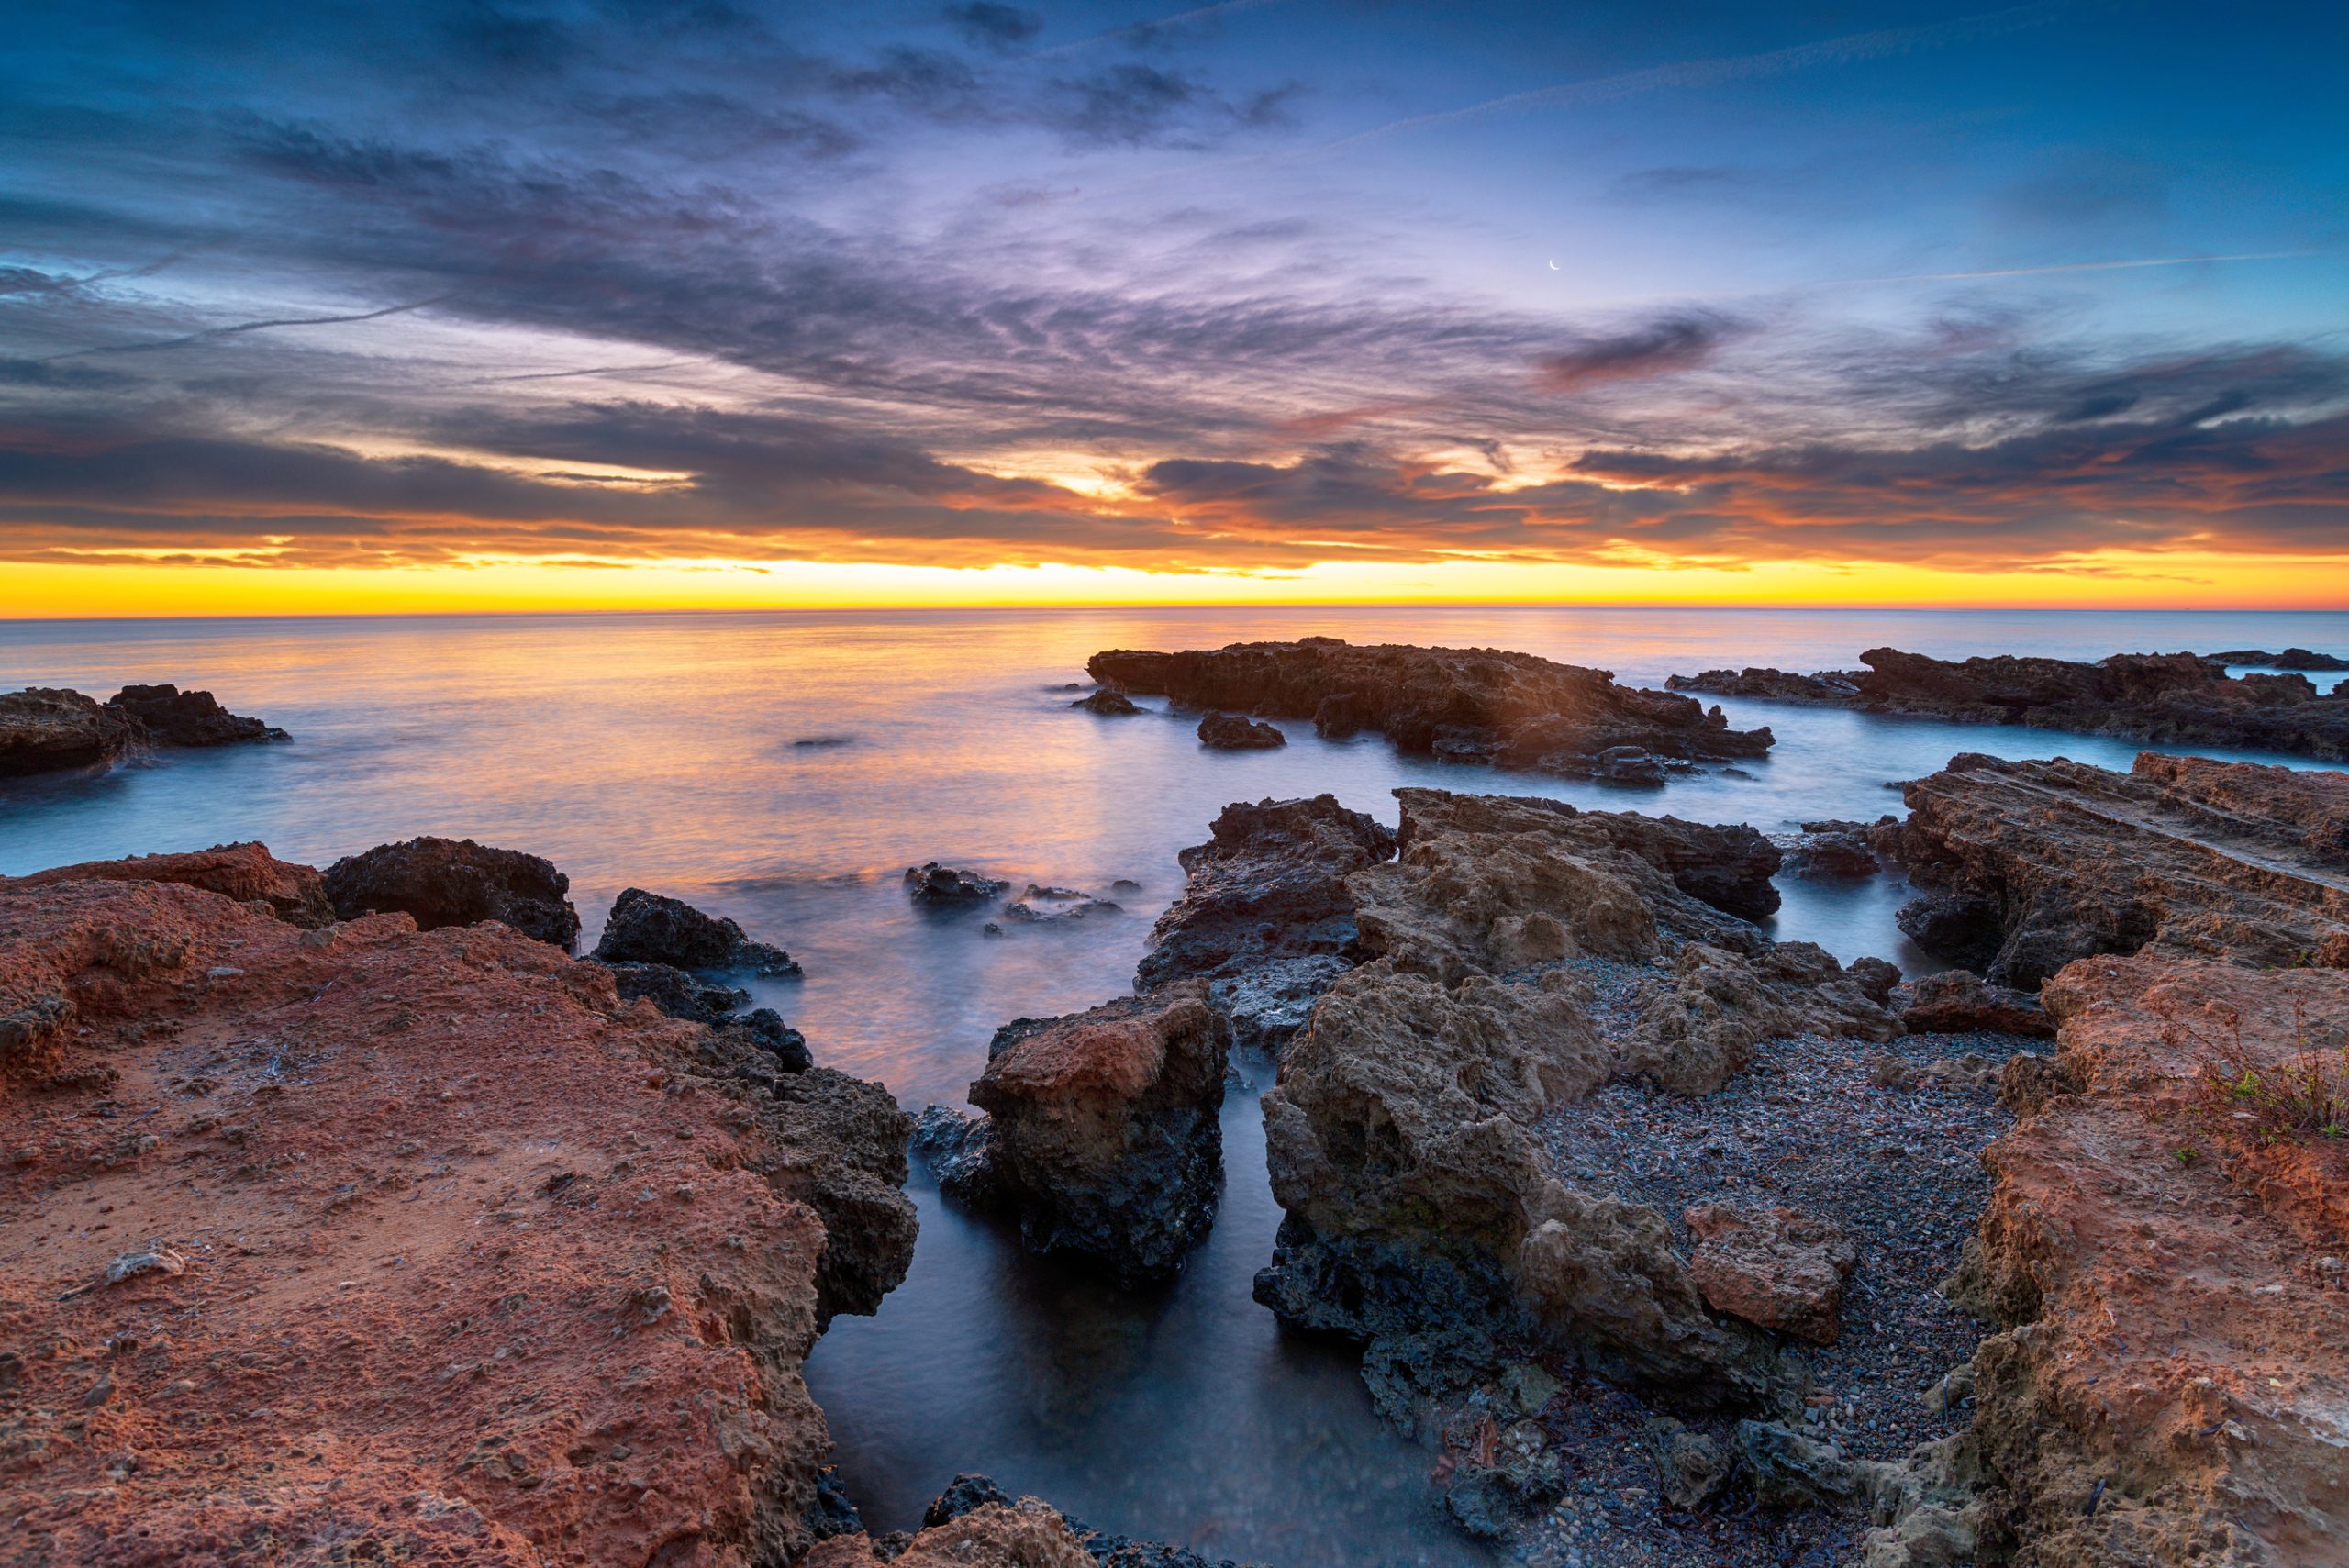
(1480, 704)
(174, 718)
(2030, 865)
(1108, 702)
(455, 881)
(44, 729)
(1232, 732)
(646, 928)
(1102, 1134)
(2172, 697)
(581, 1207)
(684, 996)
(935, 884)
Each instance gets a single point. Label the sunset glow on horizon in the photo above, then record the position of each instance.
(585, 306)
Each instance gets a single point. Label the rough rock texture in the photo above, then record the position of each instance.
(1959, 1000)
(1101, 1134)
(1266, 917)
(939, 885)
(646, 928)
(1108, 702)
(1419, 1199)
(1776, 1267)
(371, 1245)
(2172, 1385)
(2033, 864)
(684, 996)
(44, 729)
(1833, 849)
(455, 881)
(246, 873)
(973, 1524)
(2177, 698)
(2291, 659)
(1468, 704)
(1231, 732)
(174, 718)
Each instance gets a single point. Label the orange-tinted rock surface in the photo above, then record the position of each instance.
(246, 873)
(1483, 704)
(2172, 1385)
(1775, 1267)
(361, 1244)
(2035, 865)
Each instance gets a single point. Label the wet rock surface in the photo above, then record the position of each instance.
(171, 716)
(1108, 702)
(1512, 710)
(684, 995)
(1833, 850)
(1266, 916)
(1101, 1134)
(2178, 698)
(2030, 865)
(2170, 1382)
(1233, 732)
(47, 729)
(945, 887)
(646, 928)
(246, 873)
(2289, 659)
(455, 881)
(436, 1247)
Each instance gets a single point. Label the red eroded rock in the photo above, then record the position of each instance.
(369, 1245)
(246, 873)
(1775, 1267)
(2172, 1382)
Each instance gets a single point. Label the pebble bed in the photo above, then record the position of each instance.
(1807, 1125)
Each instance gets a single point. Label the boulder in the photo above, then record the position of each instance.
(1774, 1267)
(2030, 865)
(1831, 850)
(1475, 705)
(1232, 732)
(684, 996)
(455, 881)
(1107, 702)
(43, 730)
(174, 718)
(1102, 1133)
(1959, 1001)
(246, 873)
(1265, 916)
(521, 1273)
(646, 928)
(943, 886)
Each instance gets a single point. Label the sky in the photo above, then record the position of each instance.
(667, 303)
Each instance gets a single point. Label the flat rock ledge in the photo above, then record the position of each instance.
(430, 1243)
(1472, 704)
(1101, 1135)
(2175, 698)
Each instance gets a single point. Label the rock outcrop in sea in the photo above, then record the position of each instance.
(648, 927)
(2030, 865)
(945, 887)
(455, 881)
(49, 729)
(1100, 1135)
(174, 718)
(1475, 705)
(1232, 732)
(2174, 698)
(357, 1241)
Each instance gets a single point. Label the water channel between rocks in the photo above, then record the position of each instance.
(784, 769)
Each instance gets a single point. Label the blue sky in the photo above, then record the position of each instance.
(1236, 286)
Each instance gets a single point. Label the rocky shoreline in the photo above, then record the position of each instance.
(50, 729)
(2175, 698)
(1674, 1244)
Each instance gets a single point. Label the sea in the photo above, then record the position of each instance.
(785, 768)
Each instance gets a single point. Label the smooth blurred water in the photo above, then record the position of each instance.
(667, 751)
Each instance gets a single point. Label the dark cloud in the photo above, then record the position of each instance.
(995, 27)
(1678, 341)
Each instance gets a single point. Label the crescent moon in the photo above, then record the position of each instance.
(1553, 266)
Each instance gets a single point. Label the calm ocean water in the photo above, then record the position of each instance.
(784, 769)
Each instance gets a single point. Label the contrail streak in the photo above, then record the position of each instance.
(1687, 74)
(2068, 267)
(211, 332)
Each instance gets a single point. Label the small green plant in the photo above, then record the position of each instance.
(2304, 1097)
(2186, 1153)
